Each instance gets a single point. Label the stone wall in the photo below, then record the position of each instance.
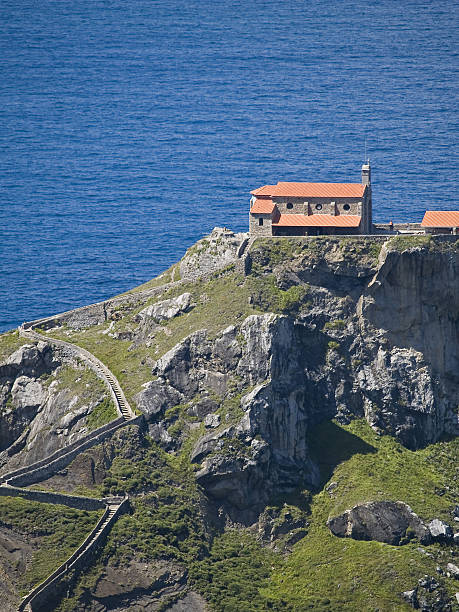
(49, 591)
(42, 470)
(260, 230)
(328, 206)
(396, 228)
(49, 497)
(94, 314)
(100, 369)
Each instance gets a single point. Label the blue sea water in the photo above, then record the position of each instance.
(130, 129)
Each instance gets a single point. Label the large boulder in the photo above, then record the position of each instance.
(440, 531)
(166, 309)
(384, 521)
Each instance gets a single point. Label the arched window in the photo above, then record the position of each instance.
(260, 221)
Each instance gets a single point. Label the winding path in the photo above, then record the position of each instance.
(41, 470)
(121, 403)
(36, 599)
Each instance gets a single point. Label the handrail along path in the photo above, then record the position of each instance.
(40, 470)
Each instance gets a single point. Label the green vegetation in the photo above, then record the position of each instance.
(10, 342)
(103, 413)
(129, 366)
(267, 252)
(83, 382)
(360, 249)
(266, 295)
(273, 251)
(219, 301)
(336, 324)
(370, 467)
(329, 573)
(231, 576)
(402, 243)
(324, 573)
(166, 522)
(53, 531)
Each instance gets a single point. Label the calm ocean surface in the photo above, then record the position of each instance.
(130, 129)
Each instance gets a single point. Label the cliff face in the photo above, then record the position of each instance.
(238, 357)
(318, 329)
(362, 329)
(46, 403)
(413, 304)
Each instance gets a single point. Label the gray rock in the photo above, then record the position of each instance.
(411, 597)
(440, 531)
(429, 583)
(156, 398)
(278, 526)
(159, 433)
(192, 602)
(214, 252)
(212, 420)
(203, 407)
(452, 570)
(208, 443)
(456, 537)
(384, 521)
(27, 393)
(402, 378)
(166, 309)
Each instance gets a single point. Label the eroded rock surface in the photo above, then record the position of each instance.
(218, 250)
(134, 586)
(38, 414)
(288, 372)
(384, 521)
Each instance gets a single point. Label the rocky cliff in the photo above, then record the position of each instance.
(240, 358)
(359, 328)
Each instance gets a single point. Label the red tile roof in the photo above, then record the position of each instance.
(441, 218)
(319, 190)
(263, 207)
(266, 190)
(312, 190)
(318, 221)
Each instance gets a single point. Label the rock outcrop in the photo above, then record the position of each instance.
(39, 414)
(384, 521)
(313, 330)
(214, 252)
(345, 351)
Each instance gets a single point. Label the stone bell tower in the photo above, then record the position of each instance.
(366, 173)
(367, 208)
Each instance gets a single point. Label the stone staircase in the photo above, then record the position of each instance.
(11, 482)
(121, 403)
(40, 596)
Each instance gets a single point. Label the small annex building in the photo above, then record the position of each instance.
(441, 222)
(312, 209)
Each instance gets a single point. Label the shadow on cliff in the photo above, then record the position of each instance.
(330, 445)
